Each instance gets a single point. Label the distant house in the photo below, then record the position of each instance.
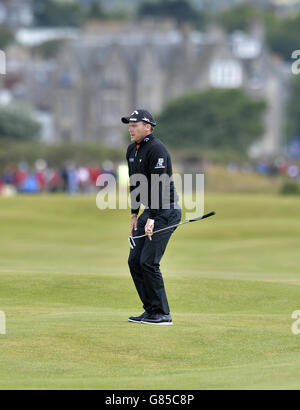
(106, 74)
(16, 13)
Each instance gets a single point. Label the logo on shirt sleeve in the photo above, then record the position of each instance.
(160, 163)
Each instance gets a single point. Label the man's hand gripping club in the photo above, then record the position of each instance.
(148, 227)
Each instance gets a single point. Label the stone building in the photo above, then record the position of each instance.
(16, 13)
(110, 72)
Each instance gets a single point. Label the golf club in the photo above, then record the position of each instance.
(131, 239)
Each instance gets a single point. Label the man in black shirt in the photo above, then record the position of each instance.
(151, 184)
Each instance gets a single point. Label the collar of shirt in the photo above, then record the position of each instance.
(145, 140)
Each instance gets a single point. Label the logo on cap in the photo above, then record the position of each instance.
(139, 115)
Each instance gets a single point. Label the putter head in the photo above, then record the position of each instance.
(131, 242)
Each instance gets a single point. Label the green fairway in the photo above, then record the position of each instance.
(232, 282)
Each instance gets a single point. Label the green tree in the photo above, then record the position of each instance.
(6, 37)
(17, 123)
(238, 18)
(57, 13)
(96, 11)
(180, 10)
(282, 36)
(216, 118)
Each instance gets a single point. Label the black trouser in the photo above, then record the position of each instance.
(145, 258)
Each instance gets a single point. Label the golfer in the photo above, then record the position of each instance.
(147, 157)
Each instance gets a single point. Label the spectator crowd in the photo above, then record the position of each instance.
(280, 166)
(71, 179)
(68, 179)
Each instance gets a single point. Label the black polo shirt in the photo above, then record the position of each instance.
(151, 159)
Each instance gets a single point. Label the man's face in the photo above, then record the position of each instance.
(138, 131)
